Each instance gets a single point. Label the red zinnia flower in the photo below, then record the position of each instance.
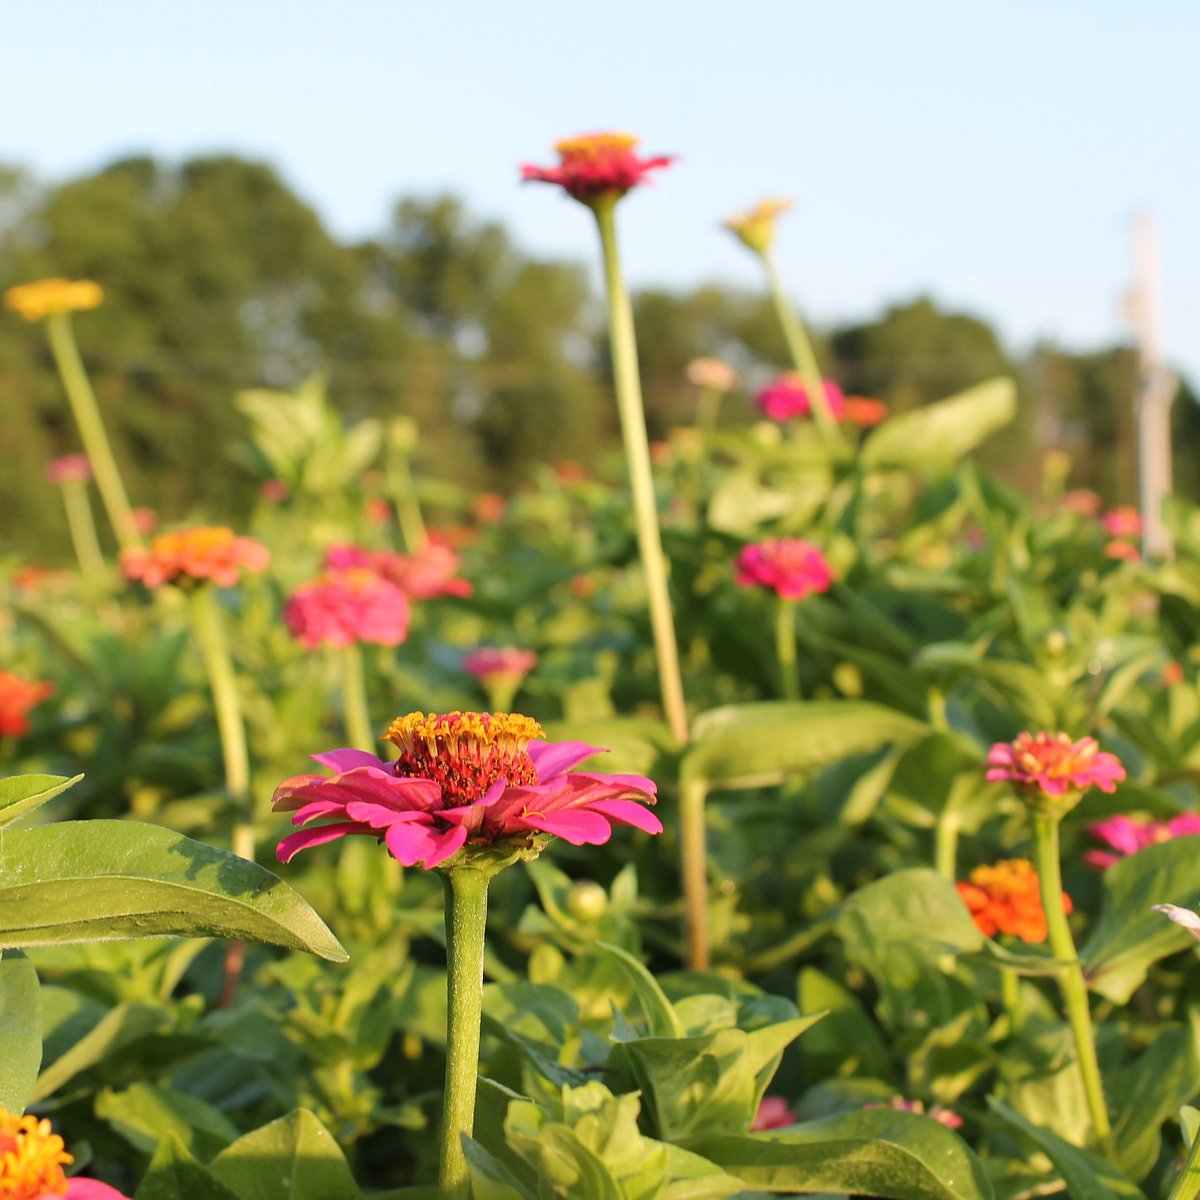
(32, 1158)
(344, 607)
(462, 777)
(17, 697)
(596, 165)
(1050, 764)
(1005, 898)
(791, 567)
(194, 555)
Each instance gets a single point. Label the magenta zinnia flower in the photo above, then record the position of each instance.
(791, 567)
(1127, 835)
(1051, 764)
(507, 662)
(478, 778)
(787, 397)
(345, 607)
(597, 164)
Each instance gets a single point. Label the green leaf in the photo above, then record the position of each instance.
(943, 431)
(877, 1152)
(1128, 938)
(1187, 1182)
(1086, 1174)
(755, 744)
(847, 1041)
(294, 1158)
(20, 1030)
(656, 1008)
(916, 907)
(86, 881)
(144, 1115)
(490, 1178)
(21, 794)
(174, 1174)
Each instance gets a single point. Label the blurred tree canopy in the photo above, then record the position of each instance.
(218, 278)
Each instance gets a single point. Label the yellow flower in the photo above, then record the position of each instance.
(49, 297)
(755, 227)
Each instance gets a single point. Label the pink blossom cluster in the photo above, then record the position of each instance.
(343, 607)
(791, 567)
(1126, 835)
(1052, 764)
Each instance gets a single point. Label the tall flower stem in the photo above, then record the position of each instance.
(206, 621)
(785, 647)
(466, 924)
(91, 428)
(1070, 976)
(694, 857)
(355, 712)
(1010, 994)
(800, 348)
(945, 844)
(82, 527)
(637, 452)
(408, 507)
(708, 408)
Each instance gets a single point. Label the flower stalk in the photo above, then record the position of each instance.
(91, 428)
(466, 890)
(785, 647)
(637, 452)
(82, 526)
(694, 861)
(1070, 975)
(355, 712)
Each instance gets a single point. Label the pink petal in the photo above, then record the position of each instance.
(412, 842)
(627, 812)
(575, 825)
(624, 783)
(318, 835)
(314, 810)
(381, 816)
(342, 761)
(551, 759)
(91, 1189)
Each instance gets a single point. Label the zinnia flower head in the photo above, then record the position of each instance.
(774, 1112)
(17, 697)
(864, 411)
(791, 567)
(1124, 521)
(1083, 502)
(191, 556)
(345, 607)
(755, 228)
(597, 165)
(502, 664)
(70, 467)
(1005, 898)
(787, 397)
(32, 1158)
(1127, 835)
(1123, 551)
(430, 572)
(50, 297)
(478, 780)
(712, 373)
(1051, 771)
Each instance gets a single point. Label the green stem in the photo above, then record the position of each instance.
(785, 646)
(945, 845)
(408, 507)
(694, 856)
(800, 348)
(1070, 976)
(628, 385)
(355, 712)
(91, 428)
(500, 693)
(708, 409)
(82, 527)
(1010, 994)
(466, 925)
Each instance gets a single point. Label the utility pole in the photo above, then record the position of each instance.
(1154, 391)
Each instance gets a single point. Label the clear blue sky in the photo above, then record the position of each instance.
(991, 152)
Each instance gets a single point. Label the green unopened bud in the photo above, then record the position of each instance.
(587, 901)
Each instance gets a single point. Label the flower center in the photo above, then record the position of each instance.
(595, 146)
(1056, 756)
(31, 1159)
(464, 752)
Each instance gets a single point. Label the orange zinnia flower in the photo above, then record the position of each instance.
(50, 297)
(192, 556)
(1005, 898)
(17, 697)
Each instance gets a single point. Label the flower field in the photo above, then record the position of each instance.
(789, 808)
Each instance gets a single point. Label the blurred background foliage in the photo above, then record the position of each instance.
(218, 278)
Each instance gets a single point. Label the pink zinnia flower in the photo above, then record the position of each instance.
(274, 491)
(787, 397)
(1123, 521)
(1127, 835)
(193, 556)
(462, 777)
(32, 1158)
(145, 521)
(595, 165)
(1082, 501)
(507, 662)
(774, 1112)
(791, 567)
(73, 467)
(939, 1113)
(345, 607)
(428, 573)
(1051, 764)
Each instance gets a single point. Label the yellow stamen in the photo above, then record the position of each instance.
(32, 1158)
(593, 144)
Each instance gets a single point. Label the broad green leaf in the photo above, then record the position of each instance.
(294, 1158)
(174, 1174)
(656, 1008)
(1187, 1183)
(20, 1030)
(759, 743)
(1084, 1172)
(145, 1114)
(876, 1152)
(490, 1178)
(943, 431)
(1019, 685)
(21, 794)
(84, 881)
(847, 1041)
(916, 907)
(1128, 938)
